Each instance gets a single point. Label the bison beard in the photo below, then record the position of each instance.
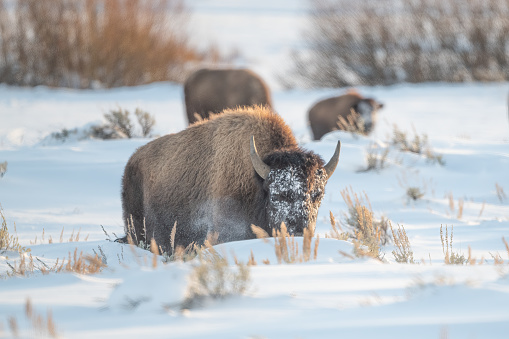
(211, 178)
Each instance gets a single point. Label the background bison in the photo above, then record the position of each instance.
(213, 90)
(350, 111)
(212, 177)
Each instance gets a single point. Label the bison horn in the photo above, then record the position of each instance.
(260, 167)
(333, 162)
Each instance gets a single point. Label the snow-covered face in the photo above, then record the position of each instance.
(367, 114)
(294, 199)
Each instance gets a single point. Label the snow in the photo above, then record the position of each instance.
(54, 188)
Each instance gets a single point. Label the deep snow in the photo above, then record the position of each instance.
(75, 186)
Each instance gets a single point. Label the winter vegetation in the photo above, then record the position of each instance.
(96, 43)
(411, 239)
(351, 43)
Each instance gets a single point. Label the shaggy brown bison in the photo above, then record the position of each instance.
(213, 90)
(336, 113)
(213, 178)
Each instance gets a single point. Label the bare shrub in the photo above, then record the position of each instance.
(119, 125)
(119, 121)
(90, 43)
(354, 43)
(414, 193)
(146, 122)
(403, 252)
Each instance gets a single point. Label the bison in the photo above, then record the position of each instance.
(213, 90)
(336, 113)
(219, 176)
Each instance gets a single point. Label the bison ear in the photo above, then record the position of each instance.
(260, 167)
(333, 162)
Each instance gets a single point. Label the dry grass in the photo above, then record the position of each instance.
(368, 234)
(72, 238)
(376, 159)
(482, 209)
(286, 247)
(403, 252)
(461, 204)
(500, 193)
(352, 123)
(336, 230)
(450, 257)
(212, 277)
(82, 264)
(9, 242)
(418, 145)
(89, 43)
(41, 327)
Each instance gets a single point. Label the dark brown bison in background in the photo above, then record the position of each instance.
(212, 177)
(213, 90)
(336, 113)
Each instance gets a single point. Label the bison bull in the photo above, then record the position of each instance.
(213, 178)
(327, 115)
(213, 90)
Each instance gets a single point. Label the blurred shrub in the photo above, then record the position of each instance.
(390, 41)
(95, 43)
(120, 126)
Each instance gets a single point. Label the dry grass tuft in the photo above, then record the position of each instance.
(9, 242)
(368, 234)
(450, 257)
(42, 327)
(336, 231)
(500, 193)
(212, 277)
(403, 252)
(82, 264)
(352, 123)
(260, 233)
(287, 249)
(419, 145)
(376, 159)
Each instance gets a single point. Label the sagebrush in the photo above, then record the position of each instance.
(384, 42)
(96, 43)
(368, 234)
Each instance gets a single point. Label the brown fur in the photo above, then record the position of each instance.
(203, 178)
(324, 115)
(213, 90)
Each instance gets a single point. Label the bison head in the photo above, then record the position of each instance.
(294, 182)
(368, 112)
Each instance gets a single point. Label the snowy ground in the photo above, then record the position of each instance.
(53, 188)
